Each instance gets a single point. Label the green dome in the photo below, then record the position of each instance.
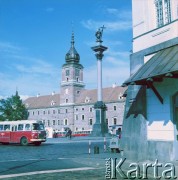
(72, 56)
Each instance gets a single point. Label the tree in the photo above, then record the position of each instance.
(12, 109)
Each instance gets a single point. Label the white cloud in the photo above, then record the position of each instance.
(120, 14)
(110, 75)
(37, 67)
(122, 21)
(111, 26)
(10, 48)
(30, 75)
(115, 70)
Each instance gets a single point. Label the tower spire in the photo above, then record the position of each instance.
(72, 40)
(72, 56)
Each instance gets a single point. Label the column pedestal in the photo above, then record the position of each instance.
(100, 126)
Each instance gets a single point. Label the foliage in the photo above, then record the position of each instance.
(12, 109)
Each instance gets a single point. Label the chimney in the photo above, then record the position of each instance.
(114, 85)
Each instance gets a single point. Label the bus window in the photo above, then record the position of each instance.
(27, 127)
(1, 127)
(37, 126)
(14, 128)
(7, 127)
(20, 127)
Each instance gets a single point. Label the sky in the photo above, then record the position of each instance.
(35, 36)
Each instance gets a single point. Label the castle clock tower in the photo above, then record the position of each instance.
(72, 76)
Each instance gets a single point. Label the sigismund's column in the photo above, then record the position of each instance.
(100, 127)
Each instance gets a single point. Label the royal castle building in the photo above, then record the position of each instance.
(74, 106)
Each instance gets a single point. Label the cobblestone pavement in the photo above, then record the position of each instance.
(92, 166)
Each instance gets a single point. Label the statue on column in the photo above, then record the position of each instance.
(99, 34)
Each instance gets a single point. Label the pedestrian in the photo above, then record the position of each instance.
(69, 133)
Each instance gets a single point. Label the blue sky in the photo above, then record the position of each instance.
(35, 35)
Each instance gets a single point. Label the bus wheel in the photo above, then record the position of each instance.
(37, 143)
(24, 141)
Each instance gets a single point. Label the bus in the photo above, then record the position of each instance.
(74, 134)
(22, 131)
(82, 133)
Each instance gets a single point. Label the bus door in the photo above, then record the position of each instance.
(20, 132)
(13, 137)
(5, 134)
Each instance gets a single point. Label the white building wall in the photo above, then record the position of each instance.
(145, 31)
(160, 126)
(156, 37)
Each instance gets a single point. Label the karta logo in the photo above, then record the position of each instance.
(134, 170)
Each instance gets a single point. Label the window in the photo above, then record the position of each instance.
(67, 79)
(48, 122)
(76, 109)
(114, 108)
(1, 127)
(83, 117)
(65, 122)
(167, 8)
(14, 128)
(38, 112)
(48, 111)
(87, 99)
(76, 117)
(54, 111)
(20, 127)
(67, 72)
(66, 91)
(115, 121)
(54, 122)
(67, 100)
(52, 103)
(33, 112)
(90, 109)
(58, 111)
(120, 96)
(37, 126)
(83, 109)
(78, 92)
(58, 122)
(27, 127)
(77, 72)
(90, 122)
(7, 127)
(163, 12)
(77, 79)
(66, 111)
(44, 112)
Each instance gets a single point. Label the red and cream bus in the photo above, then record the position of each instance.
(24, 132)
(74, 134)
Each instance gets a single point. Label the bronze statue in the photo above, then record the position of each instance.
(99, 34)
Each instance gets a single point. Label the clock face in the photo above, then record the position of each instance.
(66, 91)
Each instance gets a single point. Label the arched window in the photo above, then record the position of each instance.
(65, 122)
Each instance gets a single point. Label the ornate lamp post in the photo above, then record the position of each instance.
(100, 126)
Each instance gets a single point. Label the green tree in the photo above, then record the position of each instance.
(12, 109)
